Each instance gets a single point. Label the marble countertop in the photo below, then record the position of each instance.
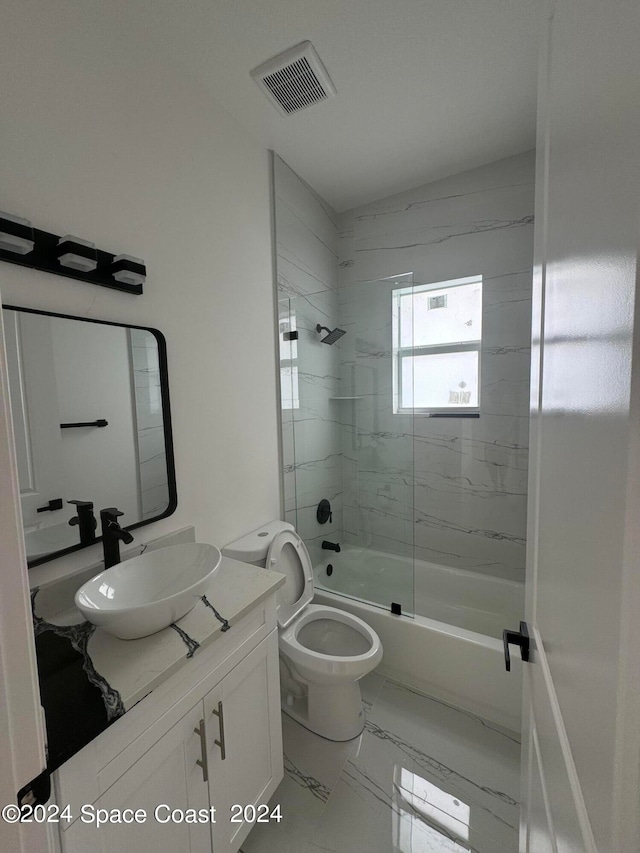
(138, 666)
(89, 678)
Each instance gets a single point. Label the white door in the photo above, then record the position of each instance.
(581, 751)
(245, 766)
(21, 732)
(163, 786)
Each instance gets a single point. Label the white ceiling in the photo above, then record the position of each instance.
(426, 88)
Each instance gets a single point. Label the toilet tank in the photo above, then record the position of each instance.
(253, 547)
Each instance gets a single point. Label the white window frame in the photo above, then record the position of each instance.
(399, 353)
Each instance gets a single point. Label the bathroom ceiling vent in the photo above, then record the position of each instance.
(294, 79)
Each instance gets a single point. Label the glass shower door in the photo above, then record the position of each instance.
(311, 435)
(377, 449)
(346, 442)
(289, 403)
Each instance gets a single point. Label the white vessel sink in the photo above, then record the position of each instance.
(147, 593)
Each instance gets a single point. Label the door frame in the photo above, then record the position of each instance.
(22, 738)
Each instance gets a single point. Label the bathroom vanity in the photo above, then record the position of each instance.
(200, 729)
(181, 728)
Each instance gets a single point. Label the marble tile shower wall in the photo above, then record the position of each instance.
(307, 274)
(452, 488)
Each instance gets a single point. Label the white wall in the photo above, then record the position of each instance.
(102, 139)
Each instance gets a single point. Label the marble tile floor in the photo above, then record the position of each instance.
(423, 777)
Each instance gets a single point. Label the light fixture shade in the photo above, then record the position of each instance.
(16, 234)
(77, 254)
(129, 270)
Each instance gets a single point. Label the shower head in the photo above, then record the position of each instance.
(332, 336)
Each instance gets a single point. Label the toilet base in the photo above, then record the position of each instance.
(335, 713)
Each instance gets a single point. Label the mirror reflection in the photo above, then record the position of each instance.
(90, 415)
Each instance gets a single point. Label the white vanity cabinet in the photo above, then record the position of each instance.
(242, 747)
(166, 774)
(219, 744)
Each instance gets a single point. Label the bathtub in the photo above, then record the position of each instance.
(462, 664)
(466, 599)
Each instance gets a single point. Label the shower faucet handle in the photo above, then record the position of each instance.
(323, 513)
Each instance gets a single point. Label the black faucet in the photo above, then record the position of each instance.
(112, 535)
(86, 521)
(331, 546)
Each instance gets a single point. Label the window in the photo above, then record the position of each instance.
(437, 336)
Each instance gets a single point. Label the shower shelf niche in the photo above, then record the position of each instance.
(347, 398)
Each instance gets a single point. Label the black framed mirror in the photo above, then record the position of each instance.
(92, 423)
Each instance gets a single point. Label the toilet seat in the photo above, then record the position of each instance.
(288, 555)
(322, 662)
(319, 685)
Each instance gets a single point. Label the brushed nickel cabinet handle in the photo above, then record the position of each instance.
(202, 762)
(220, 715)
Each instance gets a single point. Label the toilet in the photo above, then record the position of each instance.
(324, 651)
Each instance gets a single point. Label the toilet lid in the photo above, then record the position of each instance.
(289, 556)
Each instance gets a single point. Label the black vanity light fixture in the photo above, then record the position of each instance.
(70, 256)
(77, 254)
(129, 270)
(16, 234)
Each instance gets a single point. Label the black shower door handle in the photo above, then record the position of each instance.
(518, 638)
